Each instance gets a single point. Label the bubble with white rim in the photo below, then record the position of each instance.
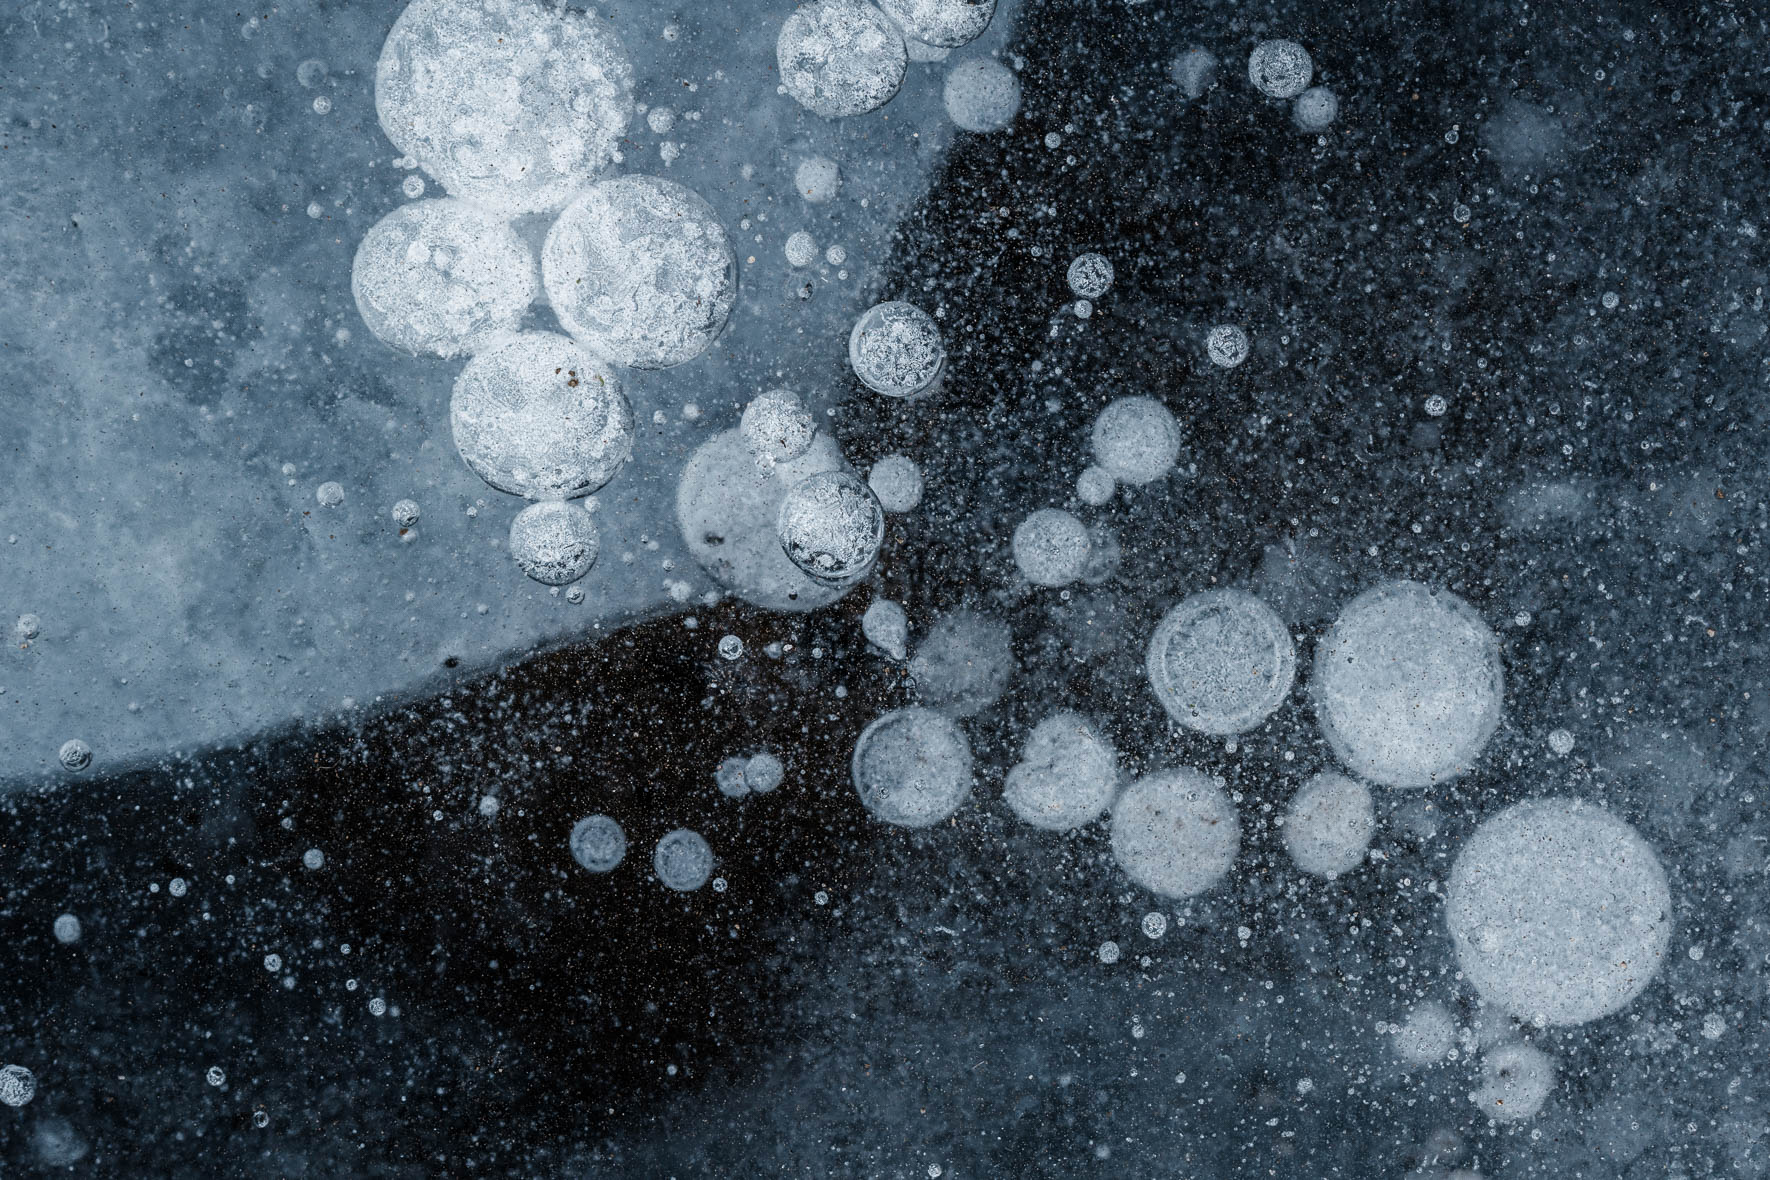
(1315, 109)
(840, 57)
(964, 663)
(1090, 275)
(18, 1085)
(1559, 911)
(74, 755)
(1220, 661)
(764, 772)
(982, 95)
(553, 542)
(1136, 439)
(777, 426)
(682, 860)
(1561, 742)
(1516, 1081)
(67, 929)
(329, 494)
(1154, 924)
(895, 349)
(513, 106)
(539, 416)
(1426, 1036)
(1329, 825)
(886, 627)
(1066, 775)
(1175, 833)
(1051, 547)
(1226, 345)
(831, 526)
(405, 513)
(1095, 486)
(897, 481)
(818, 179)
(598, 843)
(946, 24)
(1280, 68)
(1407, 685)
(640, 270)
(912, 767)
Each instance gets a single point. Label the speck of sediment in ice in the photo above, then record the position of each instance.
(831, 527)
(1066, 775)
(598, 843)
(1560, 912)
(18, 1085)
(1136, 439)
(1175, 833)
(1426, 1036)
(1280, 68)
(1315, 108)
(67, 929)
(964, 663)
(553, 542)
(777, 427)
(1220, 661)
(944, 23)
(1194, 71)
(1051, 547)
(818, 179)
(1090, 275)
(895, 349)
(840, 57)
(539, 416)
(1407, 685)
(726, 509)
(515, 106)
(982, 95)
(640, 271)
(1328, 827)
(442, 277)
(897, 481)
(801, 249)
(1226, 345)
(886, 627)
(74, 755)
(912, 767)
(683, 861)
(764, 772)
(1095, 485)
(1516, 1081)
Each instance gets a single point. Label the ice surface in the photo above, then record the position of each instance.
(1220, 661)
(1175, 833)
(1427, 1035)
(964, 663)
(912, 767)
(1066, 776)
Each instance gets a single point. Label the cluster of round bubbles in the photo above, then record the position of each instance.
(831, 527)
(640, 270)
(1051, 547)
(1090, 275)
(1516, 1081)
(982, 95)
(728, 508)
(946, 24)
(538, 416)
(1280, 69)
(895, 349)
(682, 860)
(1136, 439)
(1175, 833)
(1328, 827)
(1559, 911)
(1407, 685)
(912, 767)
(841, 57)
(508, 103)
(1066, 775)
(442, 277)
(598, 843)
(553, 542)
(777, 426)
(1221, 661)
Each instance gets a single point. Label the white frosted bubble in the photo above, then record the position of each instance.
(895, 349)
(1407, 685)
(1051, 547)
(640, 270)
(1560, 912)
(1328, 827)
(539, 416)
(18, 1085)
(730, 779)
(1136, 439)
(1194, 71)
(727, 508)
(515, 106)
(1221, 661)
(897, 481)
(405, 513)
(1226, 345)
(553, 542)
(801, 249)
(329, 494)
(1154, 924)
(1561, 742)
(1316, 108)
(912, 767)
(67, 929)
(731, 647)
(944, 23)
(412, 187)
(1066, 775)
(598, 843)
(1090, 275)
(964, 663)
(662, 120)
(1427, 1035)
(887, 627)
(1175, 833)
(1280, 69)
(777, 427)
(74, 755)
(1516, 1081)
(982, 95)
(764, 772)
(682, 860)
(313, 859)
(28, 627)
(1095, 485)
(840, 57)
(442, 277)
(818, 179)
(831, 527)
(1109, 952)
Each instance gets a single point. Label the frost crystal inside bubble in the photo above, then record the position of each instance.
(944, 23)
(554, 542)
(1221, 661)
(1090, 275)
(1280, 69)
(831, 526)
(777, 426)
(912, 767)
(895, 349)
(840, 57)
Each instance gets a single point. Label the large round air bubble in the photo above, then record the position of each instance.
(912, 767)
(895, 349)
(1066, 774)
(1136, 439)
(982, 95)
(831, 526)
(598, 843)
(944, 23)
(1221, 661)
(554, 542)
(1175, 833)
(682, 860)
(840, 57)
(1328, 827)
